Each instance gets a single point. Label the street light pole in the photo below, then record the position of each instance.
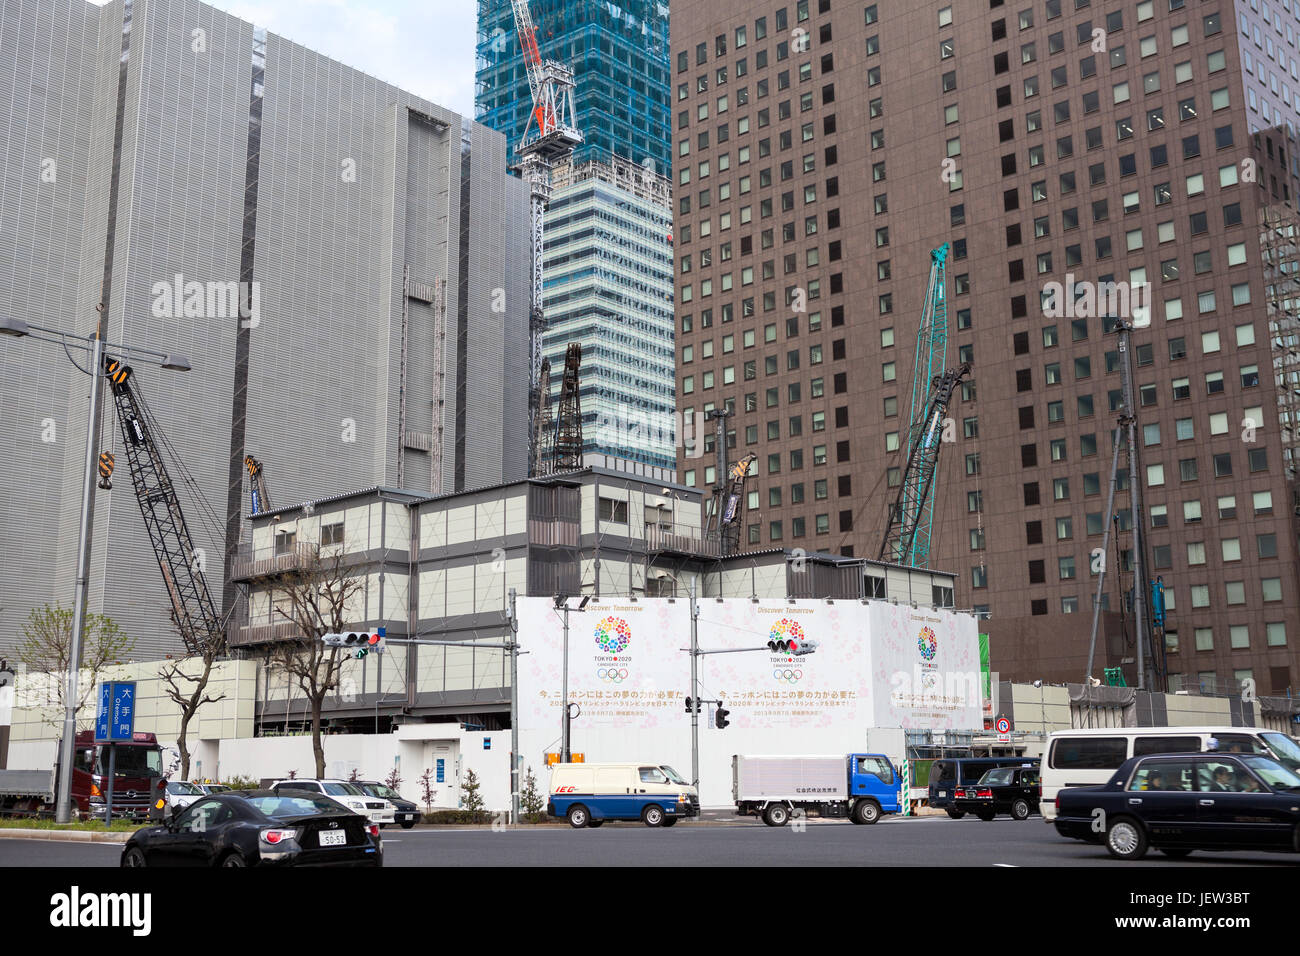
(564, 692)
(95, 345)
(695, 689)
(71, 692)
(514, 711)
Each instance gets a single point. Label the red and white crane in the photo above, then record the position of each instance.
(550, 136)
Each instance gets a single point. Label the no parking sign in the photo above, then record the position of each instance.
(1004, 730)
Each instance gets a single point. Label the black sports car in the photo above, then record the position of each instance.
(1178, 803)
(259, 827)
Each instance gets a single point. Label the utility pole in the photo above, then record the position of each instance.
(695, 689)
(513, 617)
(1141, 620)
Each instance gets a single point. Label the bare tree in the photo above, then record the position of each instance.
(185, 683)
(46, 650)
(315, 596)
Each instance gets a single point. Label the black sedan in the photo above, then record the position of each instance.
(1178, 803)
(259, 827)
(1013, 790)
(406, 812)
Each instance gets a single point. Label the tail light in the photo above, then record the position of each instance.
(984, 794)
(1057, 803)
(959, 792)
(276, 837)
(373, 830)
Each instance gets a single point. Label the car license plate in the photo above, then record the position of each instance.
(335, 838)
(943, 793)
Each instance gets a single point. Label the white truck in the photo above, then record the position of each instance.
(860, 786)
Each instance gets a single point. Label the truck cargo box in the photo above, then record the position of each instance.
(800, 778)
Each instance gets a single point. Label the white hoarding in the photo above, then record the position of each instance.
(875, 665)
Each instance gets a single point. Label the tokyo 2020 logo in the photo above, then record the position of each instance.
(927, 643)
(785, 636)
(613, 635)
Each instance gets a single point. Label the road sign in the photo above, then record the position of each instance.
(115, 719)
(1003, 726)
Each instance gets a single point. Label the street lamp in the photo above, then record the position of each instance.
(562, 604)
(93, 344)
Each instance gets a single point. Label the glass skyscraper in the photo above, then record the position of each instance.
(608, 260)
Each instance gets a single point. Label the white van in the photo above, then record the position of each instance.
(588, 794)
(1089, 757)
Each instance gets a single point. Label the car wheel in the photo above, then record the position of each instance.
(596, 824)
(578, 816)
(956, 814)
(407, 824)
(866, 812)
(1126, 840)
(776, 815)
(1176, 852)
(653, 816)
(134, 857)
(670, 821)
(1020, 810)
(233, 858)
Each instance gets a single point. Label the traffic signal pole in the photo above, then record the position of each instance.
(695, 689)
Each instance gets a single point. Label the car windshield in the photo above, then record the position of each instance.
(181, 787)
(1274, 774)
(341, 790)
(382, 790)
(1285, 750)
(297, 803)
(671, 774)
(997, 777)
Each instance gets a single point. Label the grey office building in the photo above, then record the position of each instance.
(156, 153)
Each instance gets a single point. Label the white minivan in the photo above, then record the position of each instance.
(1088, 757)
(588, 794)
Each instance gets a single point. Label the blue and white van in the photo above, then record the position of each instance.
(588, 794)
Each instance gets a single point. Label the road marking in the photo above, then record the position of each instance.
(1012, 866)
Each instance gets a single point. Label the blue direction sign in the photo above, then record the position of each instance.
(101, 715)
(116, 717)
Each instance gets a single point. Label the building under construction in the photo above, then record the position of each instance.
(605, 246)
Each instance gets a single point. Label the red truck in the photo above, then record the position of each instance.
(138, 781)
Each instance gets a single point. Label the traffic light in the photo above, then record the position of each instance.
(357, 643)
(720, 717)
(803, 647)
(689, 705)
(158, 799)
(775, 645)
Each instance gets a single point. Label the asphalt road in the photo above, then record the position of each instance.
(923, 841)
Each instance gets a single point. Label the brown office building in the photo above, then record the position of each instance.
(824, 147)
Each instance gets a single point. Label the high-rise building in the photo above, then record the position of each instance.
(619, 54)
(607, 264)
(161, 148)
(1063, 148)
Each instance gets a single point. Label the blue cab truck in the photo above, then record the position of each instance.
(862, 787)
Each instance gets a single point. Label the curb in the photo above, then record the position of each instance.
(63, 836)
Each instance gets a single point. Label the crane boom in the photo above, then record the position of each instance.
(908, 529)
(181, 564)
(261, 498)
(907, 536)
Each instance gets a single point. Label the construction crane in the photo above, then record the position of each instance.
(257, 485)
(549, 137)
(907, 535)
(568, 425)
(733, 507)
(546, 445)
(193, 611)
(908, 528)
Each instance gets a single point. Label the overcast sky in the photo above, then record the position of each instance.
(425, 47)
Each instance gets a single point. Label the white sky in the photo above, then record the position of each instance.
(426, 47)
